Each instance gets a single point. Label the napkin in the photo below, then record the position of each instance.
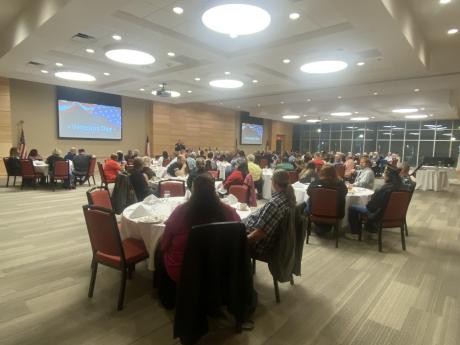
(298, 185)
(150, 200)
(232, 200)
(141, 210)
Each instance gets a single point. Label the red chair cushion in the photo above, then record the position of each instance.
(134, 252)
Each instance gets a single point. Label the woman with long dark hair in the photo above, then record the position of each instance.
(238, 175)
(263, 224)
(204, 206)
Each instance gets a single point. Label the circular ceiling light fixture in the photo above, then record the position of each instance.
(44, 71)
(341, 113)
(452, 31)
(90, 51)
(178, 10)
(294, 16)
(130, 56)
(291, 117)
(313, 121)
(59, 64)
(444, 2)
(106, 73)
(236, 19)
(363, 118)
(171, 54)
(405, 110)
(75, 76)
(255, 81)
(286, 61)
(226, 83)
(361, 63)
(172, 94)
(116, 37)
(322, 67)
(416, 116)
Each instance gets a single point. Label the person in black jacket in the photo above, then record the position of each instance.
(199, 169)
(14, 162)
(139, 180)
(378, 201)
(328, 179)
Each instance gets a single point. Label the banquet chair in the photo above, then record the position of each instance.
(28, 173)
(214, 174)
(340, 170)
(10, 172)
(393, 216)
(263, 163)
(90, 172)
(175, 188)
(293, 176)
(324, 209)
(166, 162)
(98, 196)
(108, 248)
(61, 172)
(104, 181)
(241, 192)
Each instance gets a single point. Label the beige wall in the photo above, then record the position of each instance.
(282, 128)
(5, 121)
(197, 125)
(35, 104)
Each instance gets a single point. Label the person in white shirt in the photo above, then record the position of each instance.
(365, 177)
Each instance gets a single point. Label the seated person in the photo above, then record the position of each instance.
(256, 173)
(349, 167)
(285, 165)
(14, 162)
(210, 162)
(309, 174)
(146, 169)
(203, 207)
(338, 159)
(365, 177)
(55, 156)
(328, 179)
(199, 169)
(237, 176)
(164, 157)
(405, 178)
(120, 157)
(81, 165)
(178, 168)
(129, 157)
(139, 180)
(191, 161)
(33, 155)
(112, 167)
(378, 201)
(319, 162)
(71, 154)
(263, 224)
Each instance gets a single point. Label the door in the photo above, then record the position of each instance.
(280, 143)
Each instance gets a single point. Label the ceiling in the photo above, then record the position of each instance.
(403, 43)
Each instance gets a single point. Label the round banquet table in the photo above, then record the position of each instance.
(357, 196)
(432, 179)
(158, 170)
(134, 225)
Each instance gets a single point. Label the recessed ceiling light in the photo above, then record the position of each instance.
(452, 31)
(106, 73)
(255, 81)
(372, 117)
(44, 71)
(258, 105)
(308, 99)
(116, 37)
(356, 112)
(281, 102)
(361, 63)
(130, 56)
(238, 107)
(453, 138)
(189, 91)
(89, 50)
(291, 117)
(422, 108)
(443, 2)
(326, 66)
(339, 97)
(294, 16)
(76, 76)
(341, 113)
(173, 94)
(416, 90)
(226, 73)
(305, 115)
(376, 93)
(178, 10)
(197, 78)
(59, 64)
(431, 115)
(359, 118)
(236, 19)
(226, 83)
(313, 121)
(405, 110)
(286, 61)
(416, 116)
(171, 54)
(141, 89)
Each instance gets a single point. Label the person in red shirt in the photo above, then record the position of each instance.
(319, 162)
(203, 207)
(237, 176)
(112, 167)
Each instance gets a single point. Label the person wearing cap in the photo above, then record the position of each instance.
(378, 201)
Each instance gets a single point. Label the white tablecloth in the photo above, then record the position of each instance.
(432, 179)
(357, 196)
(158, 170)
(132, 224)
(41, 167)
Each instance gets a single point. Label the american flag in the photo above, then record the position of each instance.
(147, 147)
(22, 146)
